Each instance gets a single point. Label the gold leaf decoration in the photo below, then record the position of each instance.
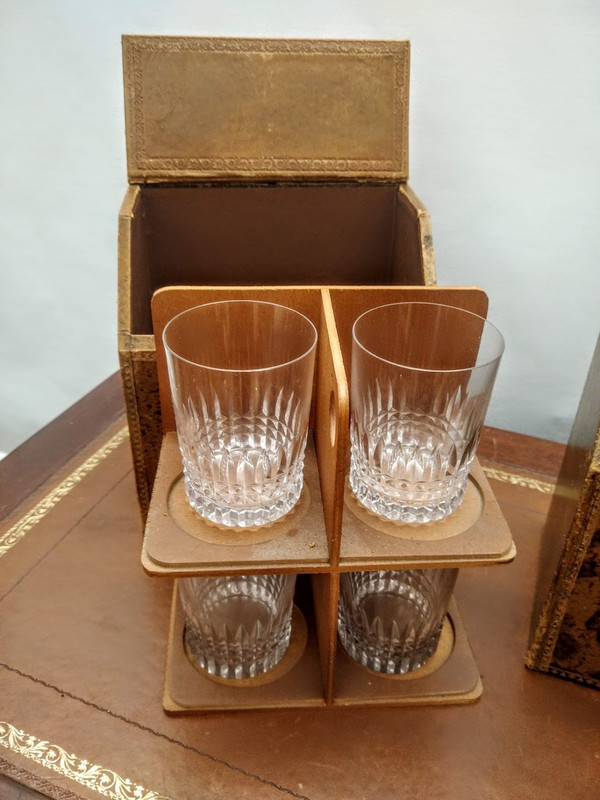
(99, 779)
(13, 535)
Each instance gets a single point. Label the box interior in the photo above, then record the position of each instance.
(270, 234)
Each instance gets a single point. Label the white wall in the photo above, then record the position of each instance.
(505, 136)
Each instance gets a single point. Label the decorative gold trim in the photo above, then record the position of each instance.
(519, 480)
(93, 776)
(14, 534)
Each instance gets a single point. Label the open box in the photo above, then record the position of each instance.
(256, 161)
(325, 536)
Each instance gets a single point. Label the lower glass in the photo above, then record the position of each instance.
(237, 626)
(390, 621)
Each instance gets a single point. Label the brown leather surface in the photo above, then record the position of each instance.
(37, 460)
(83, 636)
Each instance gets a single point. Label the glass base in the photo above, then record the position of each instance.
(244, 517)
(409, 467)
(380, 660)
(407, 509)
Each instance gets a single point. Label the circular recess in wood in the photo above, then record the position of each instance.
(437, 660)
(465, 516)
(193, 524)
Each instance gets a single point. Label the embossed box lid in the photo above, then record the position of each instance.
(265, 109)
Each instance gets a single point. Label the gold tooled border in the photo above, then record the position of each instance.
(519, 480)
(14, 534)
(135, 47)
(99, 779)
(95, 777)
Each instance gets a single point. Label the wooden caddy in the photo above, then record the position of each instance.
(327, 533)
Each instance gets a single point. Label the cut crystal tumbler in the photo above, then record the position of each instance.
(241, 377)
(390, 621)
(237, 627)
(422, 376)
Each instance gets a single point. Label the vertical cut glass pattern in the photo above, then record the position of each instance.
(390, 621)
(410, 465)
(237, 627)
(242, 470)
(422, 376)
(241, 378)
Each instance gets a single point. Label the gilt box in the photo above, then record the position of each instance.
(565, 637)
(258, 161)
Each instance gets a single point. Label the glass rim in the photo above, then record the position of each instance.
(279, 365)
(486, 324)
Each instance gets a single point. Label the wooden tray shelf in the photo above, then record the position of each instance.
(295, 681)
(476, 534)
(449, 677)
(178, 542)
(326, 534)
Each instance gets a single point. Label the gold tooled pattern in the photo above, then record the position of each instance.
(99, 779)
(132, 408)
(14, 534)
(519, 480)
